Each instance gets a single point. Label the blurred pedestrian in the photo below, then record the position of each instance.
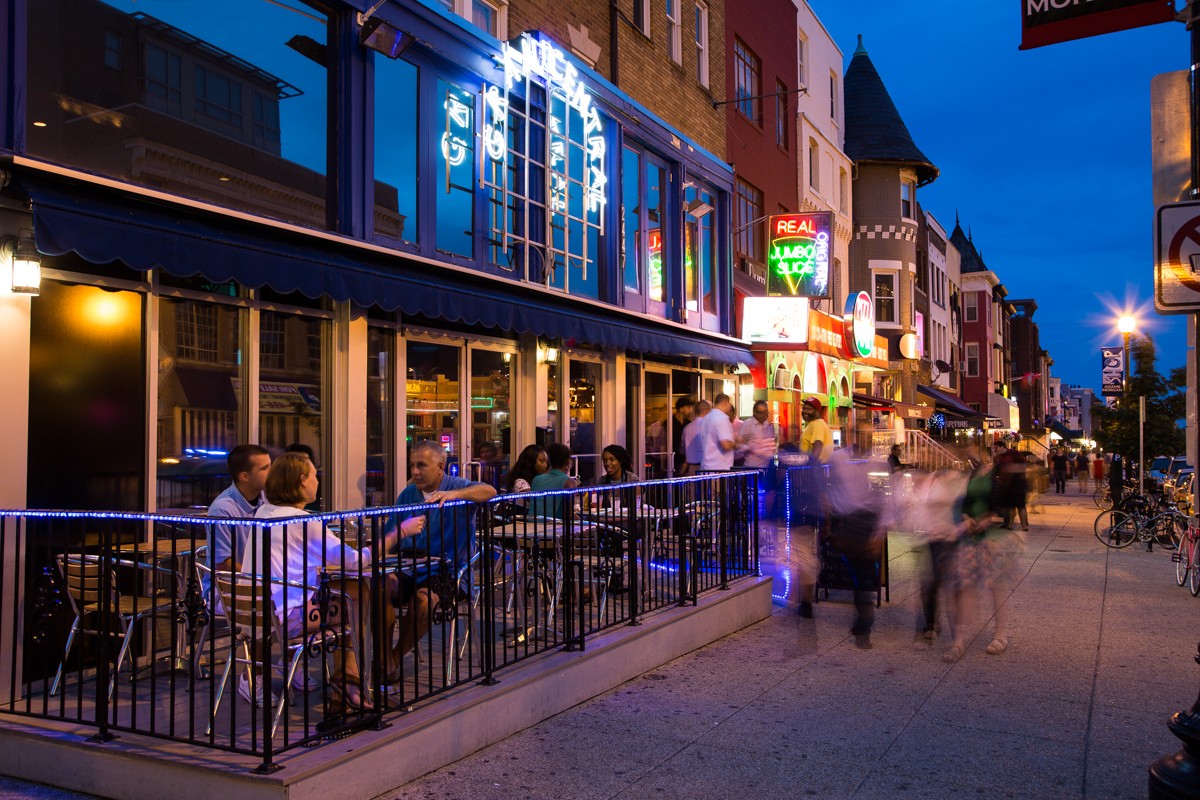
(856, 532)
(693, 444)
(1011, 485)
(1058, 464)
(717, 437)
(940, 524)
(756, 443)
(1083, 468)
(1097, 469)
(684, 411)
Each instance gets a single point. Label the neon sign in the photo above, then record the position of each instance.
(798, 255)
(455, 141)
(533, 59)
(656, 269)
(858, 339)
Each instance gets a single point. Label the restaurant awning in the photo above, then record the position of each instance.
(950, 403)
(904, 410)
(1068, 434)
(103, 225)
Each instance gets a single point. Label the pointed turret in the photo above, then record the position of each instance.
(874, 129)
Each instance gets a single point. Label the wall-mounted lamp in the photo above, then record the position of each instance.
(25, 263)
(910, 346)
(547, 354)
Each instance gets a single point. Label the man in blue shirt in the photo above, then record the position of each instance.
(438, 532)
(559, 456)
(248, 466)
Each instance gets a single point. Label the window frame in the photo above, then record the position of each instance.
(970, 307)
(893, 276)
(814, 165)
(748, 231)
(674, 30)
(747, 68)
(641, 16)
(969, 359)
(781, 115)
(701, 41)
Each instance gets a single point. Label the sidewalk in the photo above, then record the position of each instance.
(1100, 655)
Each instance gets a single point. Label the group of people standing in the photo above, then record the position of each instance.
(1083, 464)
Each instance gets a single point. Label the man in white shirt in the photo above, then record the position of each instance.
(717, 437)
(756, 438)
(857, 531)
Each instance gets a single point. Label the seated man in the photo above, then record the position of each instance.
(440, 533)
(556, 477)
(249, 465)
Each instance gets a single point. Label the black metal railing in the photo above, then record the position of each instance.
(259, 635)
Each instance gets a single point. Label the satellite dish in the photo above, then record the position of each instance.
(941, 365)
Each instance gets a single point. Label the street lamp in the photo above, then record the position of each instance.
(1125, 325)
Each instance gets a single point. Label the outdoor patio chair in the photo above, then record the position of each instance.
(84, 576)
(254, 626)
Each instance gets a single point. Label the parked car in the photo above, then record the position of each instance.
(1182, 488)
(1162, 470)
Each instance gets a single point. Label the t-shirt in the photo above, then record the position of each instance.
(757, 441)
(717, 428)
(229, 503)
(547, 482)
(449, 530)
(693, 445)
(1059, 462)
(817, 431)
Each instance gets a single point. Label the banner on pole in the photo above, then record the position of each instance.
(1046, 22)
(1112, 371)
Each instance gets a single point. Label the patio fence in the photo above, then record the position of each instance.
(168, 626)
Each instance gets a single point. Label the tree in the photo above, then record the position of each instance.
(1116, 430)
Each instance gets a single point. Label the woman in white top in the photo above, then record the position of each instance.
(299, 551)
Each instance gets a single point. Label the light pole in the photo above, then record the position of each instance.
(1125, 325)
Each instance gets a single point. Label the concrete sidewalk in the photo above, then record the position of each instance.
(1100, 655)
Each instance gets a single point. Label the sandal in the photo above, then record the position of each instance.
(954, 653)
(350, 696)
(997, 646)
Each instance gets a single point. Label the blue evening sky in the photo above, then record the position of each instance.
(1044, 154)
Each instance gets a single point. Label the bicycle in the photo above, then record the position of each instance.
(1121, 527)
(1186, 557)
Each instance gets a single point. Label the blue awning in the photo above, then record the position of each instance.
(1068, 434)
(103, 225)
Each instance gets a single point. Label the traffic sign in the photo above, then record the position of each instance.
(1177, 258)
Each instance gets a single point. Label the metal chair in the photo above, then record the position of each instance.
(256, 626)
(84, 576)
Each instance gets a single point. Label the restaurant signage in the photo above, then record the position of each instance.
(858, 340)
(825, 334)
(775, 320)
(1112, 371)
(1046, 22)
(798, 255)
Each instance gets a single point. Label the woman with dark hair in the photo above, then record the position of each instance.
(531, 463)
(618, 466)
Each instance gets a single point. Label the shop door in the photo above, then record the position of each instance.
(657, 424)
(584, 420)
(434, 398)
(491, 419)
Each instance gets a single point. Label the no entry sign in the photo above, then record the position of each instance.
(1177, 259)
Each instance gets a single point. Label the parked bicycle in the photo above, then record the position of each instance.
(1102, 497)
(1187, 570)
(1121, 527)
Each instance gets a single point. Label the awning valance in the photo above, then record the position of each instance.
(950, 403)
(103, 225)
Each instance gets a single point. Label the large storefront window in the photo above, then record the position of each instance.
(699, 256)
(658, 424)
(434, 404)
(454, 181)
(220, 100)
(291, 387)
(199, 399)
(544, 169)
(395, 150)
(648, 235)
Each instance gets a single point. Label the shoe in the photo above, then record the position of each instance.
(930, 634)
(1025, 528)
(349, 695)
(954, 653)
(805, 609)
(256, 699)
(863, 641)
(303, 682)
(997, 646)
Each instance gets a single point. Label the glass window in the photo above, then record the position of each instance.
(702, 43)
(781, 114)
(971, 307)
(291, 389)
(748, 222)
(747, 69)
(972, 352)
(814, 165)
(674, 31)
(455, 172)
(657, 424)
(433, 398)
(833, 96)
(802, 58)
(381, 484)
(491, 418)
(641, 16)
(843, 192)
(699, 257)
(657, 231)
(484, 16)
(585, 418)
(885, 297)
(395, 150)
(546, 189)
(199, 399)
(630, 219)
(908, 193)
(212, 86)
(114, 47)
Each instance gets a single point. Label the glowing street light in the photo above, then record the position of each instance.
(1126, 325)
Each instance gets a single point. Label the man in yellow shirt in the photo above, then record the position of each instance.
(817, 439)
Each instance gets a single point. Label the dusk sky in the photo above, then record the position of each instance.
(1044, 154)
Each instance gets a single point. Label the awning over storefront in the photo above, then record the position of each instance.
(104, 225)
(1068, 434)
(950, 403)
(903, 410)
